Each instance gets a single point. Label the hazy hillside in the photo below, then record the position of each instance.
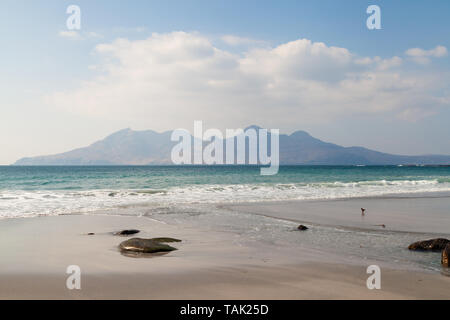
(128, 147)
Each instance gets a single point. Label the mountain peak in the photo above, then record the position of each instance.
(300, 134)
(121, 132)
(255, 127)
(118, 134)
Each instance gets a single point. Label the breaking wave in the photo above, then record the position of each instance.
(20, 203)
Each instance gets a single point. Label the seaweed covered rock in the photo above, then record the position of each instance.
(127, 232)
(429, 245)
(446, 256)
(145, 246)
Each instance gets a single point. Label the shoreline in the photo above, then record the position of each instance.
(223, 204)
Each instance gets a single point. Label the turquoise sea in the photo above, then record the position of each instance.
(31, 191)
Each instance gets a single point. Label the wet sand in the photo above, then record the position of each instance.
(208, 265)
(406, 214)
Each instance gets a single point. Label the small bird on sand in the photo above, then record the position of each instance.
(363, 211)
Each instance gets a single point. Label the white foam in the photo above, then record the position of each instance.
(34, 203)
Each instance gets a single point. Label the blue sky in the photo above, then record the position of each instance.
(42, 69)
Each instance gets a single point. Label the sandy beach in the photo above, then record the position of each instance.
(209, 263)
(225, 150)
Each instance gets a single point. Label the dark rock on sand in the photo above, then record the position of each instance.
(446, 256)
(429, 245)
(144, 246)
(91, 234)
(127, 232)
(302, 228)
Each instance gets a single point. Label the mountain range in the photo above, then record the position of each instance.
(129, 147)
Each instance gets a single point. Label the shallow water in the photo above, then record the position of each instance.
(333, 243)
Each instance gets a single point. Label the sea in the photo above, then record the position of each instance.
(195, 196)
(55, 190)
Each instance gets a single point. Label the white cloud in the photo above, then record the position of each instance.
(170, 80)
(382, 64)
(423, 56)
(393, 62)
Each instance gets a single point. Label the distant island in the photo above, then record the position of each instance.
(129, 147)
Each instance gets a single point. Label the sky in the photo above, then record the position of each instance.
(288, 65)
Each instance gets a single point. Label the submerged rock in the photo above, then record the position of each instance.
(302, 227)
(429, 245)
(446, 256)
(144, 246)
(127, 232)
